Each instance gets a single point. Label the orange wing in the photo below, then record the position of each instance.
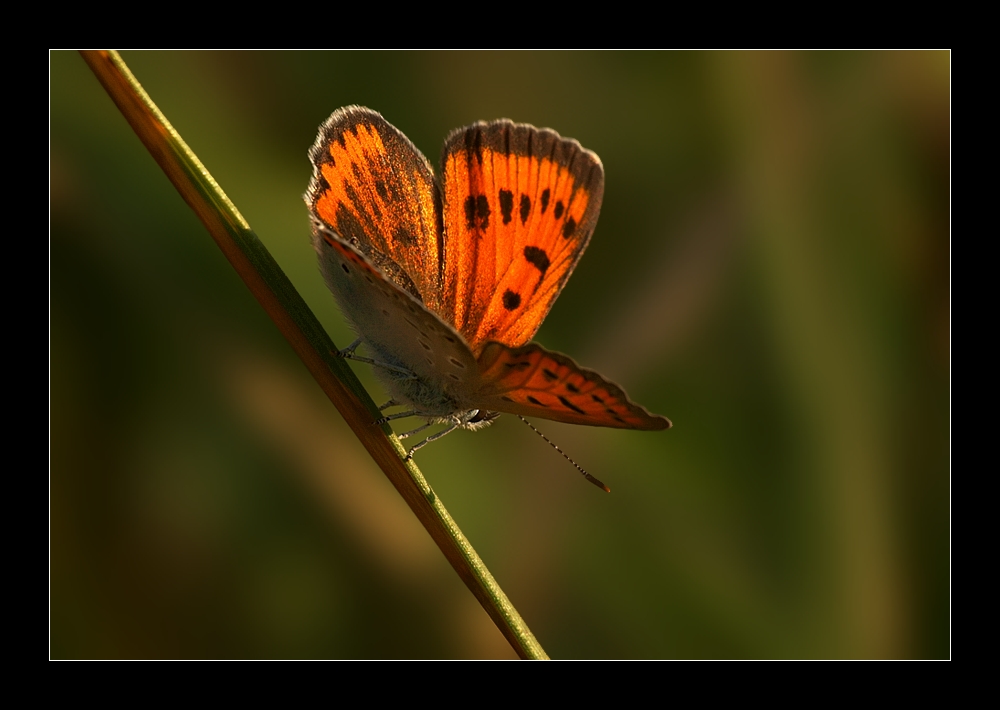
(533, 381)
(519, 206)
(376, 191)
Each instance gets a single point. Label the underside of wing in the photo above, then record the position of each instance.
(519, 207)
(399, 329)
(533, 381)
(376, 191)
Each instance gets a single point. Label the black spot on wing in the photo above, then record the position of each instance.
(545, 199)
(572, 388)
(511, 300)
(525, 208)
(506, 205)
(535, 401)
(470, 212)
(549, 375)
(571, 405)
(483, 211)
(537, 257)
(404, 236)
(569, 228)
(477, 212)
(558, 212)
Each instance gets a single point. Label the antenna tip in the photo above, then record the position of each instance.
(596, 482)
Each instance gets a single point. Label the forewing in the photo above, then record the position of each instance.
(533, 381)
(376, 191)
(398, 328)
(519, 207)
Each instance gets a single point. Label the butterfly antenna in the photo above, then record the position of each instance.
(578, 468)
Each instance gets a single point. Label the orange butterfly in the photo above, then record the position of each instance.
(445, 283)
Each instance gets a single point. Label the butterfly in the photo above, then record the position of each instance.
(446, 279)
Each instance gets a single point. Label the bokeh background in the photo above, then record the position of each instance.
(770, 270)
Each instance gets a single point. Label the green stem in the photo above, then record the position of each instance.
(295, 320)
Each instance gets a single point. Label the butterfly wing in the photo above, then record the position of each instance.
(519, 206)
(374, 207)
(376, 191)
(533, 381)
(400, 331)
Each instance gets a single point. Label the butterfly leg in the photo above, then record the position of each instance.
(348, 354)
(397, 415)
(433, 437)
(390, 403)
(413, 431)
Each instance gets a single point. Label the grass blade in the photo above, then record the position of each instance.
(295, 320)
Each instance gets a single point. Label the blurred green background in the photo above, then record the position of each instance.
(770, 270)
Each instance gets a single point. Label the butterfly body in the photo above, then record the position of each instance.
(446, 282)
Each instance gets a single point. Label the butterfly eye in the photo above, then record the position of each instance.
(484, 415)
